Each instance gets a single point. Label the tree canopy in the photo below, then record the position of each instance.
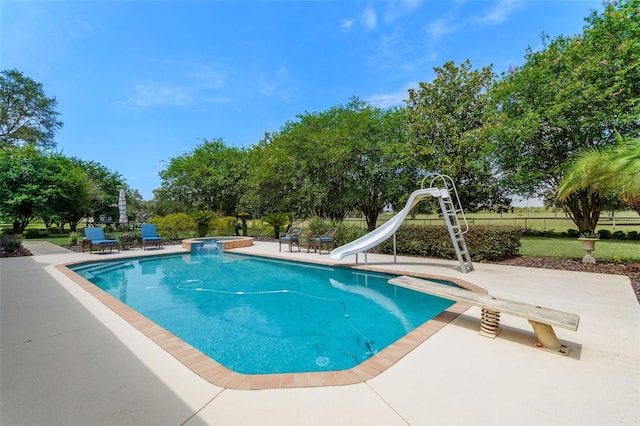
(208, 178)
(349, 157)
(445, 118)
(27, 115)
(52, 187)
(570, 96)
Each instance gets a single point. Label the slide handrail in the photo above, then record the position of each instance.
(449, 185)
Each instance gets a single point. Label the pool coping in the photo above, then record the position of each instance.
(215, 373)
(228, 243)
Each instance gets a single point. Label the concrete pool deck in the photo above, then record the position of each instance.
(66, 358)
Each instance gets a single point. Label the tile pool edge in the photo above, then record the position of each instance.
(215, 373)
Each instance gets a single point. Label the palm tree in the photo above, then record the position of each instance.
(614, 169)
(277, 220)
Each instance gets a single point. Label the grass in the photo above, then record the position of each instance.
(543, 220)
(619, 250)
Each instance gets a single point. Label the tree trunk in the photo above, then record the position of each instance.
(584, 207)
(19, 225)
(372, 219)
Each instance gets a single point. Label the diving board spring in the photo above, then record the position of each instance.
(489, 323)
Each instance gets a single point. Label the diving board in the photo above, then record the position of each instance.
(541, 319)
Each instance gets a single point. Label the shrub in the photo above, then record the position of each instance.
(225, 225)
(484, 242)
(35, 233)
(573, 233)
(73, 238)
(530, 232)
(347, 232)
(622, 260)
(257, 229)
(317, 226)
(604, 234)
(173, 225)
(633, 235)
(618, 235)
(10, 243)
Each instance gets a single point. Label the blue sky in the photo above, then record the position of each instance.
(140, 82)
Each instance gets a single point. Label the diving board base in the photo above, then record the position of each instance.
(490, 323)
(547, 339)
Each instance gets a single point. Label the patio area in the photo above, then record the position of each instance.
(65, 358)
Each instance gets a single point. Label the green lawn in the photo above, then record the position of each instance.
(542, 220)
(571, 248)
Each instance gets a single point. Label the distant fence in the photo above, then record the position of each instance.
(543, 223)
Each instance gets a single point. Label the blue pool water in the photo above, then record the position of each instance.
(261, 316)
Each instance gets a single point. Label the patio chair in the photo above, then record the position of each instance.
(94, 238)
(327, 239)
(150, 236)
(292, 237)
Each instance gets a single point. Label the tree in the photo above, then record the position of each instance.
(27, 115)
(445, 119)
(70, 196)
(26, 185)
(209, 178)
(53, 187)
(103, 188)
(568, 97)
(612, 169)
(326, 164)
(381, 171)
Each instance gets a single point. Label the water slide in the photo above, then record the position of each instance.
(389, 228)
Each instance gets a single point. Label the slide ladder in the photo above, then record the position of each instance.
(452, 212)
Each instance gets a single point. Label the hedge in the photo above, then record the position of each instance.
(484, 242)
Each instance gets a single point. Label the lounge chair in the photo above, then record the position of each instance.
(292, 237)
(150, 236)
(327, 239)
(94, 238)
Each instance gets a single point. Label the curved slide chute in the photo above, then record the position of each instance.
(389, 228)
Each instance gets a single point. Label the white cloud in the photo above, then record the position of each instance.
(347, 24)
(207, 78)
(273, 85)
(386, 100)
(368, 18)
(399, 9)
(194, 88)
(152, 94)
(499, 13)
(440, 28)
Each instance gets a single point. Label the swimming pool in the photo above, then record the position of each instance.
(263, 316)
